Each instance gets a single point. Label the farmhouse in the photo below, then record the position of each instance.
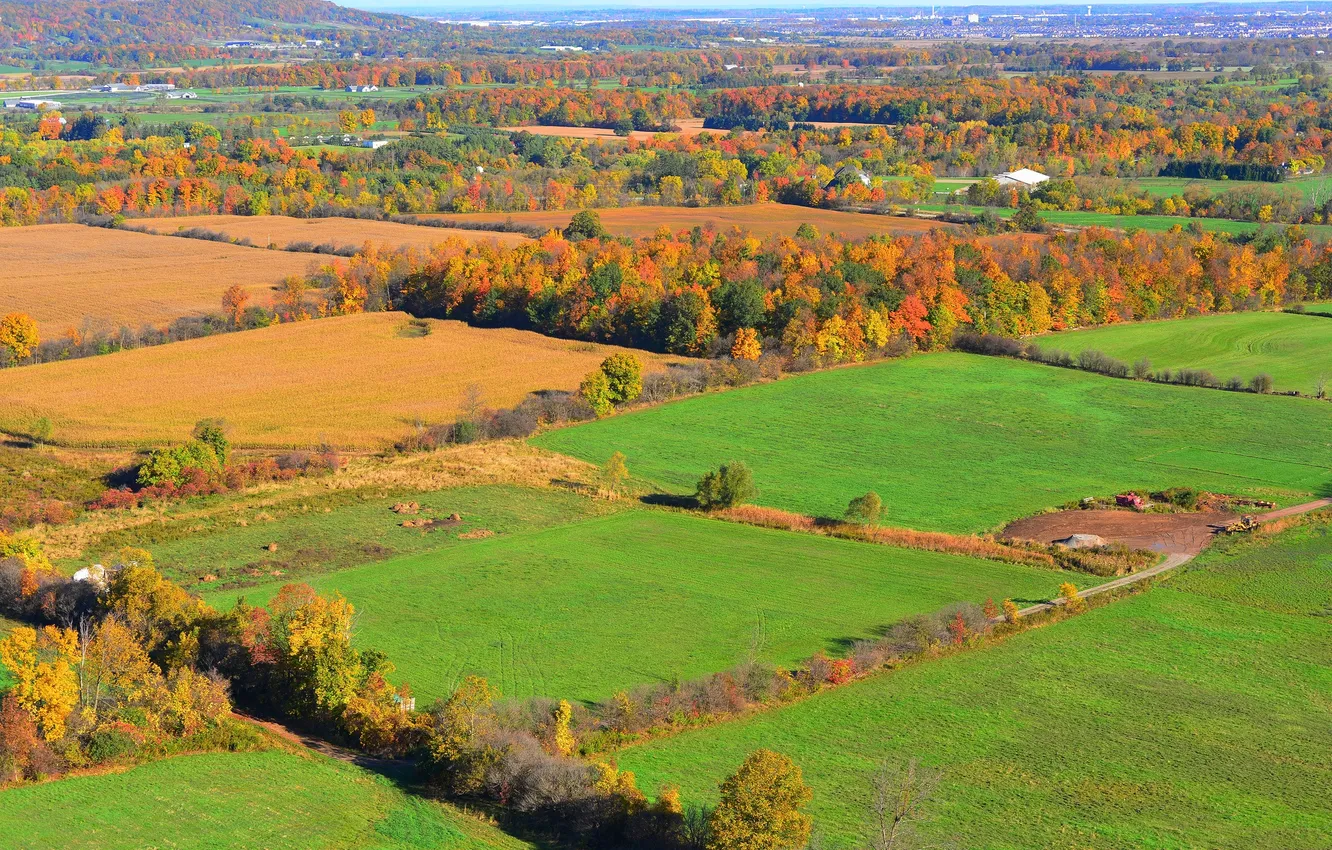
(1023, 178)
(363, 88)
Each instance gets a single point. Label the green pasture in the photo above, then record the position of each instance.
(1295, 350)
(1290, 573)
(336, 532)
(585, 609)
(1168, 720)
(236, 801)
(958, 442)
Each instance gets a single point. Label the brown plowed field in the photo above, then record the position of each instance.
(759, 219)
(688, 127)
(1183, 533)
(283, 230)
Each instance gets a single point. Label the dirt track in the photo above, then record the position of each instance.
(1183, 533)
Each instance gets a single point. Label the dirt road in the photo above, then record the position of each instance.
(1180, 544)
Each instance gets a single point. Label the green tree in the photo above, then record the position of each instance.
(213, 433)
(730, 485)
(760, 806)
(865, 509)
(585, 224)
(596, 391)
(624, 374)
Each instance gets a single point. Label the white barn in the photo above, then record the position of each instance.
(1023, 178)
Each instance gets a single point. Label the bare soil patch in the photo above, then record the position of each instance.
(1178, 533)
(688, 127)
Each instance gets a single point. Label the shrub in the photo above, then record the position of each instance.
(1142, 368)
(1261, 383)
(1073, 600)
(1011, 612)
(727, 487)
(865, 509)
(107, 745)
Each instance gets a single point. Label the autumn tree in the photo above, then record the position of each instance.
(1011, 612)
(18, 336)
(234, 301)
(730, 485)
(760, 806)
(615, 471)
(456, 750)
(746, 345)
(18, 738)
(562, 737)
(1073, 600)
(596, 391)
(45, 684)
(585, 224)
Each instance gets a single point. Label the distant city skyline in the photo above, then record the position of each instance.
(416, 7)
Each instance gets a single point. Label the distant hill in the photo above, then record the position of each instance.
(113, 23)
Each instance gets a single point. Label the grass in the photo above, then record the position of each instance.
(1289, 573)
(583, 610)
(72, 275)
(342, 232)
(1151, 223)
(759, 219)
(273, 800)
(353, 381)
(1167, 720)
(1295, 350)
(346, 530)
(956, 442)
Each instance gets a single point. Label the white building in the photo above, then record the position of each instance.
(157, 87)
(1023, 178)
(362, 88)
(561, 48)
(33, 103)
(374, 144)
(181, 95)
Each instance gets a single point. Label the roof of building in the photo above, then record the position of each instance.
(1023, 175)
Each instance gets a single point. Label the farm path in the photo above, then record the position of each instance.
(393, 768)
(1175, 559)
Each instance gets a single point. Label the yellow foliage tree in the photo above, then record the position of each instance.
(747, 346)
(563, 736)
(1011, 612)
(760, 806)
(18, 335)
(42, 664)
(1073, 601)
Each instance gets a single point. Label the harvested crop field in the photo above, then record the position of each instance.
(281, 230)
(64, 275)
(688, 127)
(1171, 533)
(759, 219)
(354, 381)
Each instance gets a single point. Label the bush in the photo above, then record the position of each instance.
(624, 375)
(596, 391)
(1261, 383)
(865, 509)
(731, 485)
(108, 745)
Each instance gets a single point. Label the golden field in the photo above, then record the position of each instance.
(759, 219)
(64, 275)
(353, 381)
(283, 230)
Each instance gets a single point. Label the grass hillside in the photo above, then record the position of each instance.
(1295, 350)
(354, 381)
(71, 274)
(958, 442)
(235, 801)
(583, 610)
(1171, 720)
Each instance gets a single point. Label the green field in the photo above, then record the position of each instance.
(960, 442)
(320, 535)
(1295, 350)
(1290, 574)
(1168, 720)
(582, 610)
(1153, 223)
(270, 800)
